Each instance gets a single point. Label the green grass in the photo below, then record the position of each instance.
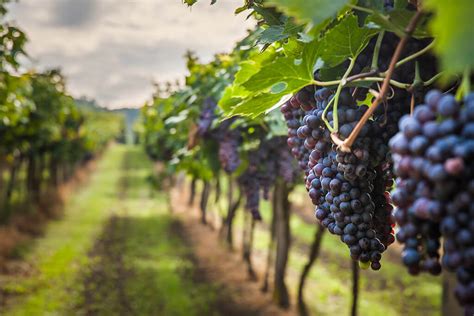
(158, 260)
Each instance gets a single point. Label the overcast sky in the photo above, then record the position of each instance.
(112, 50)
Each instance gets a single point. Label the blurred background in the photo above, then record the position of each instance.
(94, 220)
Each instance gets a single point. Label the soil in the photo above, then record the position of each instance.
(107, 277)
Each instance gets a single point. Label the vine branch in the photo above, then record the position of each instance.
(346, 145)
(363, 75)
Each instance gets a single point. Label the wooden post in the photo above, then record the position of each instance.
(355, 287)
(282, 213)
(204, 199)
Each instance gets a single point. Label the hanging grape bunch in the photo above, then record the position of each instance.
(341, 185)
(206, 116)
(270, 160)
(433, 155)
(228, 150)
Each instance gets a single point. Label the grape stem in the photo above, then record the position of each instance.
(362, 9)
(362, 77)
(346, 145)
(433, 79)
(465, 86)
(328, 125)
(397, 84)
(375, 56)
(338, 92)
(467, 81)
(368, 76)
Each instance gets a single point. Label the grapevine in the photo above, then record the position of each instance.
(355, 126)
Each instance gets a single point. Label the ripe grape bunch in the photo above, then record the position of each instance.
(293, 114)
(228, 151)
(433, 154)
(270, 160)
(228, 139)
(342, 185)
(206, 116)
(351, 190)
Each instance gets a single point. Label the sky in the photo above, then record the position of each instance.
(112, 50)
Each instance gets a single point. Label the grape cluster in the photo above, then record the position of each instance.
(293, 112)
(342, 185)
(206, 116)
(228, 150)
(357, 195)
(228, 139)
(270, 160)
(433, 155)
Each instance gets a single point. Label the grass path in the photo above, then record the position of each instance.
(115, 252)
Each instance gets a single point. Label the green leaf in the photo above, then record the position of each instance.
(453, 28)
(281, 70)
(293, 72)
(275, 33)
(316, 11)
(345, 40)
(367, 101)
(397, 20)
(272, 34)
(285, 75)
(256, 105)
(269, 14)
(292, 48)
(250, 67)
(311, 53)
(232, 96)
(240, 9)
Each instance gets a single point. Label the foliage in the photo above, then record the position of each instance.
(328, 33)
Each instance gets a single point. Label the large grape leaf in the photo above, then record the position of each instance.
(345, 40)
(293, 73)
(316, 11)
(273, 80)
(282, 72)
(453, 28)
